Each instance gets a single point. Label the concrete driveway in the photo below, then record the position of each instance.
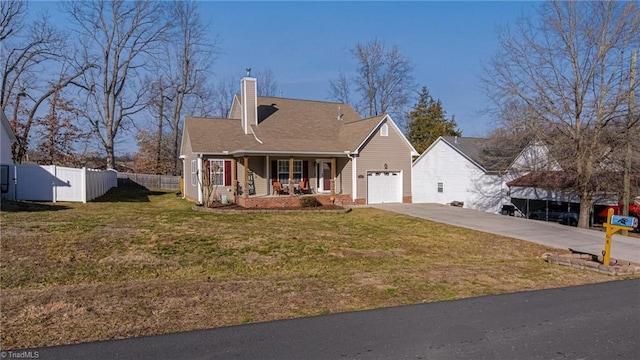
(541, 232)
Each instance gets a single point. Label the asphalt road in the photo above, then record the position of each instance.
(587, 322)
(541, 232)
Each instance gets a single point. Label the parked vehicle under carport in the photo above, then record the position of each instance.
(561, 217)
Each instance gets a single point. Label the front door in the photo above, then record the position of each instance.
(324, 172)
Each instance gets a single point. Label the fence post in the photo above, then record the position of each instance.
(54, 188)
(15, 182)
(83, 181)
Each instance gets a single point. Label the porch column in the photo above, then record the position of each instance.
(267, 170)
(333, 176)
(234, 175)
(245, 188)
(291, 176)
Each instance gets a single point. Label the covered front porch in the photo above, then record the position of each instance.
(267, 181)
(280, 201)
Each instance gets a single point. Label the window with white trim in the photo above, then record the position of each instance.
(216, 168)
(384, 130)
(440, 187)
(283, 171)
(194, 173)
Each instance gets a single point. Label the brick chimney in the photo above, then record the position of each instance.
(249, 99)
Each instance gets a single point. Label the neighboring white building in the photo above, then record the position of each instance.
(6, 140)
(454, 169)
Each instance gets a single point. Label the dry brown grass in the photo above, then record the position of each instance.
(144, 263)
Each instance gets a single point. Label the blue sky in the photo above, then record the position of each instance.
(305, 44)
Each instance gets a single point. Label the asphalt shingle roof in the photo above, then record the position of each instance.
(214, 135)
(476, 150)
(284, 125)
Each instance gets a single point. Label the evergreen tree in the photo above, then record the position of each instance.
(427, 121)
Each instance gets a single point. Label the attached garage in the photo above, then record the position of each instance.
(384, 187)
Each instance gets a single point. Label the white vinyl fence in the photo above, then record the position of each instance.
(57, 183)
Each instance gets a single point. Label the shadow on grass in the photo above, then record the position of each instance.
(28, 206)
(128, 194)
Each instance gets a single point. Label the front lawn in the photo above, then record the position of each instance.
(140, 263)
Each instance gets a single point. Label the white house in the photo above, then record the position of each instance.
(456, 169)
(6, 140)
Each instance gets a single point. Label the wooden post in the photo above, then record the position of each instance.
(611, 229)
(245, 188)
(291, 176)
(234, 176)
(333, 176)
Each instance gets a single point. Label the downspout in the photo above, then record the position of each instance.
(184, 174)
(200, 179)
(354, 176)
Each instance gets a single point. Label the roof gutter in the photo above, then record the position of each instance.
(285, 152)
(345, 153)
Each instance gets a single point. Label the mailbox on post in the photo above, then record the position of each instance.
(614, 224)
(625, 221)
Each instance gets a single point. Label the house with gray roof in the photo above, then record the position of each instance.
(305, 146)
(461, 169)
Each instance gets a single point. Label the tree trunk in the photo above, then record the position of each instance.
(176, 153)
(585, 209)
(176, 129)
(159, 134)
(111, 158)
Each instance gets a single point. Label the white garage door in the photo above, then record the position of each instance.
(384, 187)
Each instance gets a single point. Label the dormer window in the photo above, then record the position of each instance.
(384, 130)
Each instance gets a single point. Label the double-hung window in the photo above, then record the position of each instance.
(283, 171)
(216, 168)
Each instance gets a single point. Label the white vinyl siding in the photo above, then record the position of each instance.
(194, 173)
(465, 181)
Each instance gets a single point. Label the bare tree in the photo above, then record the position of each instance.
(11, 17)
(29, 56)
(340, 89)
(158, 101)
(564, 68)
(190, 54)
(24, 56)
(267, 85)
(120, 36)
(224, 91)
(383, 79)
